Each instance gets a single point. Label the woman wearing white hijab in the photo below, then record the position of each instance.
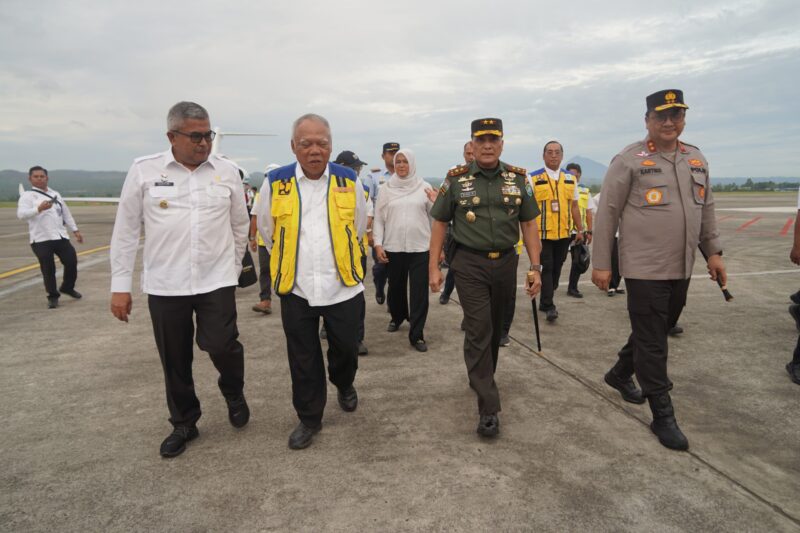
(402, 232)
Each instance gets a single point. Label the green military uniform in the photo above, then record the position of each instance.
(486, 208)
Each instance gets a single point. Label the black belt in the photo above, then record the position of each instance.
(487, 253)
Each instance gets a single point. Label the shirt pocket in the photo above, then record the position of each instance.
(699, 189)
(345, 205)
(652, 197)
(282, 206)
(542, 191)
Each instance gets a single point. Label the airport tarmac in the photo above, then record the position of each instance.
(83, 413)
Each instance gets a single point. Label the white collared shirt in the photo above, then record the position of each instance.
(195, 225)
(317, 278)
(404, 224)
(49, 225)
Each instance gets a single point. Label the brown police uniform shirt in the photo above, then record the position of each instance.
(663, 206)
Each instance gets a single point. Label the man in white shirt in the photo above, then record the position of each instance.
(48, 219)
(195, 221)
(373, 182)
(311, 214)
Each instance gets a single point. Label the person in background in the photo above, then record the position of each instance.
(583, 203)
(373, 182)
(793, 366)
(264, 304)
(450, 279)
(48, 219)
(402, 233)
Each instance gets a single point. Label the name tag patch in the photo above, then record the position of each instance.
(644, 171)
(698, 170)
(511, 190)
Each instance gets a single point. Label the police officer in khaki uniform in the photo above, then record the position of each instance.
(487, 201)
(657, 192)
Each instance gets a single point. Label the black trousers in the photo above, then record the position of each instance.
(554, 253)
(408, 274)
(301, 324)
(574, 273)
(215, 313)
(379, 274)
(652, 307)
(484, 286)
(45, 252)
(264, 278)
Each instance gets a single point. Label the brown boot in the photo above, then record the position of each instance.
(264, 306)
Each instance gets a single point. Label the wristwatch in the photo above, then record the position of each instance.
(537, 268)
(251, 238)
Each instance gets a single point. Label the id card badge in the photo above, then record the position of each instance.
(554, 206)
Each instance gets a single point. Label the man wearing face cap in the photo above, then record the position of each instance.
(488, 201)
(657, 192)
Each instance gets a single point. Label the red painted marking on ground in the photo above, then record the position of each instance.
(789, 224)
(726, 217)
(748, 223)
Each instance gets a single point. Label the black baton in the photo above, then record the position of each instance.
(724, 288)
(536, 324)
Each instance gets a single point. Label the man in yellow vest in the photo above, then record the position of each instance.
(311, 214)
(583, 204)
(556, 193)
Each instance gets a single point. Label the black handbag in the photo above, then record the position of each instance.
(249, 275)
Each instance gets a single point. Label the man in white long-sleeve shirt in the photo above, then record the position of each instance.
(195, 222)
(48, 219)
(311, 215)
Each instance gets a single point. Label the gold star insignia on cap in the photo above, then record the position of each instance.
(670, 97)
(488, 121)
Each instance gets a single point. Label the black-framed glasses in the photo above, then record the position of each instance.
(675, 114)
(197, 136)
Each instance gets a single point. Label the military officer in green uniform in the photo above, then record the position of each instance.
(487, 201)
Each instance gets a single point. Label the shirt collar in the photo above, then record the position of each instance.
(299, 174)
(169, 158)
(555, 174)
(474, 168)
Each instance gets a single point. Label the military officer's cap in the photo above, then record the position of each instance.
(487, 126)
(390, 147)
(666, 99)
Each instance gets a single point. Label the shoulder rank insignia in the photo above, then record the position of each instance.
(516, 170)
(685, 146)
(458, 171)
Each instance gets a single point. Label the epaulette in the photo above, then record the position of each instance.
(458, 170)
(689, 145)
(516, 170)
(146, 157)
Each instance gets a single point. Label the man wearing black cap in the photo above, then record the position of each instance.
(373, 182)
(657, 192)
(487, 202)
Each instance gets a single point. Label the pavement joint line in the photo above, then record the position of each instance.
(699, 458)
(34, 266)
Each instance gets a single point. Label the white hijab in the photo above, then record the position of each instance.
(398, 187)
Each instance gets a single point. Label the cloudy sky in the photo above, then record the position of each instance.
(87, 84)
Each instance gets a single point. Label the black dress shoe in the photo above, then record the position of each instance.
(238, 411)
(619, 291)
(348, 399)
(302, 436)
(362, 348)
(675, 330)
(175, 444)
(794, 371)
(628, 390)
(575, 293)
(795, 297)
(505, 341)
(393, 326)
(489, 425)
(552, 315)
(444, 298)
(380, 298)
(75, 294)
(52, 302)
(420, 346)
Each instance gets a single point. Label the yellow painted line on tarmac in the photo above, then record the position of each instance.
(34, 266)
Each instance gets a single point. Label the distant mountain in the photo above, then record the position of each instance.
(66, 182)
(592, 172)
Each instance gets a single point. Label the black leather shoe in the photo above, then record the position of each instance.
(362, 348)
(75, 294)
(505, 341)
(794, 371)
(175, 444)
(619, 291)
(794, 310)
(628, 390)
(489, 425)
(675, 330)
(444, 298)
(238, 411)
(393, 326)
(664, 424)
(348, 399)
(302, 436)
(795, 297)
(420, 346)
(52, 302)
(575, 293)
(552, 315)
(380, 298)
